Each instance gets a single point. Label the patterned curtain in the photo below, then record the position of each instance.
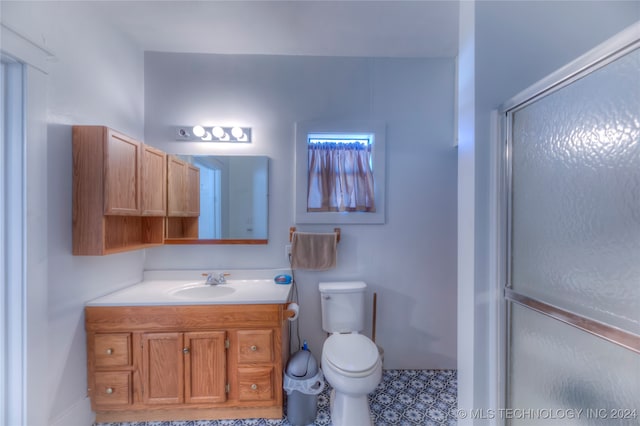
(340, 177)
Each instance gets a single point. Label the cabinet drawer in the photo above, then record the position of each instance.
(255, 346)
(255, 383)
(112, 388)
(112, 350)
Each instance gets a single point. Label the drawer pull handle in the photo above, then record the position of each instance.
(254, 386)
(185, 351)
(109, 351)
(108, 391)
(253, 348)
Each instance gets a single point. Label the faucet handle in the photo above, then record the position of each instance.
(210, 279)
(220, 279)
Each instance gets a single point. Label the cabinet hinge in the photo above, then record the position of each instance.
(227, 388)
(226, 343)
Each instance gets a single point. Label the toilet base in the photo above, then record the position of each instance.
(349, 410)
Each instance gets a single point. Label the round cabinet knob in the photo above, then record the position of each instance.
(109, 351)
(108, 391)
(185, 351)
(254, 386)
(253, 348)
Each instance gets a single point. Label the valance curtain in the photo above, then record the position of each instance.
(340, 177)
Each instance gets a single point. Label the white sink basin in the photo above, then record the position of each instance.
(202, 291)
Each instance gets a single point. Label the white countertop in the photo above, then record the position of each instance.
(246, 286)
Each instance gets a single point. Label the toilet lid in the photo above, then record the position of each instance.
(351, 352)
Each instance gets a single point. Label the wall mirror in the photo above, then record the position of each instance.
(233, 201)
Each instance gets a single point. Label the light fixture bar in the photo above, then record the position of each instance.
(232, 134)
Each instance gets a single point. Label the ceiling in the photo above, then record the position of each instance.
(418, 28)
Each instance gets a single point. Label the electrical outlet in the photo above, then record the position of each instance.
(287, 251)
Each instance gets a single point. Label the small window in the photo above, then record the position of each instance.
(339, 173)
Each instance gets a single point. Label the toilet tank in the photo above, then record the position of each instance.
(342, 305)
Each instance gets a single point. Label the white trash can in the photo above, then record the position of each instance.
(303, 382)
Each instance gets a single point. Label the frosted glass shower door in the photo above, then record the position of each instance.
(573, 256)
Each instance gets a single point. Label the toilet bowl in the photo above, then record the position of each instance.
(352, 366)
(350, 361)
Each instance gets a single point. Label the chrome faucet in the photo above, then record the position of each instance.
(212, 280)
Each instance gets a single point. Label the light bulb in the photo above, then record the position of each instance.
(218, 132)
(237, 132)
(207, 137)
(198, 131)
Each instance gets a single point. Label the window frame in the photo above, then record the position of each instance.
(336, 128)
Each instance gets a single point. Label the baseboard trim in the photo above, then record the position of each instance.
(79, 414)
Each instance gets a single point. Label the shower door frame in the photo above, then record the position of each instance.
(616, 47)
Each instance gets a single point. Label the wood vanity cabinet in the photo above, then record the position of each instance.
(119, 189)
(183, 198)
(152, 363)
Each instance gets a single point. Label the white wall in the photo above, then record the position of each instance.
(95, 78)
(517, 44)
(466, 206)
(411, 260)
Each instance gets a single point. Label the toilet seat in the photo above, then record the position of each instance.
(352, 355)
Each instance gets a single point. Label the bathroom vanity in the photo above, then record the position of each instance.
(177, 349)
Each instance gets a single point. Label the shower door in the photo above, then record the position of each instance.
(572, 258)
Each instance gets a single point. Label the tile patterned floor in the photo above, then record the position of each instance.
(403, 398)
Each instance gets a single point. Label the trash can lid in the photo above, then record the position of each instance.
(302, 365)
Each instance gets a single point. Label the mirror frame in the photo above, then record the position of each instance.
(198, 241)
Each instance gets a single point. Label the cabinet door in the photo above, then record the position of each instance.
(176, 183)
(192, 190)
(162, 368)
(205, 367)
(154, 182)
(121, 174)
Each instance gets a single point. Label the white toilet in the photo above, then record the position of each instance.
(350, 361)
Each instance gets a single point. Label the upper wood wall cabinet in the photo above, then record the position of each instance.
(119, 192)
(122, 171)
(183, 199)
(154, 177)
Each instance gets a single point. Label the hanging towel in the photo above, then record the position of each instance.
(315, 252)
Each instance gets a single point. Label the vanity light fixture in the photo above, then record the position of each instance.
(214, 134)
